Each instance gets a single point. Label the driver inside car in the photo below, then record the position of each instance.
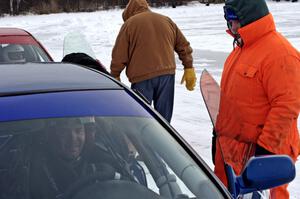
(63, 160)
(13, 53)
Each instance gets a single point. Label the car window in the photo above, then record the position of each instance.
(97, 157)
(15, 53)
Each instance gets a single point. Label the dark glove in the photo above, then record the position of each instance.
(259, 150)
(213, 145)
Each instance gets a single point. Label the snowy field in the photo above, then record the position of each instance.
(203, 26)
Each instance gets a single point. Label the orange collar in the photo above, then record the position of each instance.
(256, 30)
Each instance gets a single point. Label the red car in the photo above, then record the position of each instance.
(18, 45)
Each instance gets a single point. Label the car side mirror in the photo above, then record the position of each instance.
(261, 173)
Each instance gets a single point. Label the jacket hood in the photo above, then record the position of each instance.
(134, 7)
(247, 11)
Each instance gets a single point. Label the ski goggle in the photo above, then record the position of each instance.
(229, 14)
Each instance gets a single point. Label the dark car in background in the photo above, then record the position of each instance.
(67, 131)
(18, 45)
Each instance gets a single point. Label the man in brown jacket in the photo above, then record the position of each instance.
(145, 46)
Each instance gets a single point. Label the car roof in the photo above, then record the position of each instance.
(16, 36)
(16, 79)
(13, 31)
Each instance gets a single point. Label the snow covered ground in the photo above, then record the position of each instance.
(203, 26)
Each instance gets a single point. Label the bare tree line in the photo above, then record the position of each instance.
(15, 7)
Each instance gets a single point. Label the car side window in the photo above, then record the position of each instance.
(20, 53)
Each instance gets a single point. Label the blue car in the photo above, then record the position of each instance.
(67, 131)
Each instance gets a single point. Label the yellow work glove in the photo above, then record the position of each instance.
(189, 77)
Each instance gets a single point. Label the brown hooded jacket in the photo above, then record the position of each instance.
(146, 44)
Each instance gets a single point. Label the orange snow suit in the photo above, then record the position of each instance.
(260, 99)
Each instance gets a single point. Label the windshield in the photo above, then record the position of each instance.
(96, 157)
(18, 53)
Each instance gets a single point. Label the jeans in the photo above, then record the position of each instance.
(160, 91)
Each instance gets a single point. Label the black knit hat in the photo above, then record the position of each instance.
(85, 60)
(247, 11)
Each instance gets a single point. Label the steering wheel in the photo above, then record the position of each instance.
(107, 173)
